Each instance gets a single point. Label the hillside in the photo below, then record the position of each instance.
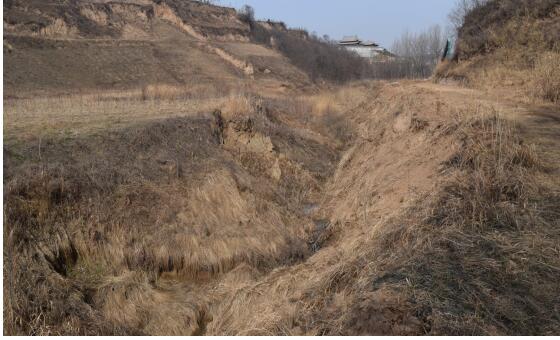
(76, 46)
(512, 45)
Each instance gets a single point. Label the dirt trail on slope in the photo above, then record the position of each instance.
(538, 124)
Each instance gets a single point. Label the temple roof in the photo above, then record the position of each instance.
(369, 43)
(352, 39)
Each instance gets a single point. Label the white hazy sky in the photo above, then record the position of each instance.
(380, 20)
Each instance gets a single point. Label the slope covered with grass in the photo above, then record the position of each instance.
(512, 44)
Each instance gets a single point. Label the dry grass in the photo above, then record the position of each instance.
(525, 83)
(510, 45)
(239, 105)
(328, 110)
(342, 99)
(474, 254)
(176, 225)
(323, 104)
(448, 70)
(154, 202)
(546, 77)
(72, 115)
(174, 92)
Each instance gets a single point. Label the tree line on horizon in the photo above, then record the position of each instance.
(417, 53)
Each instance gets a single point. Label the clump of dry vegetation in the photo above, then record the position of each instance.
(546, 77)
(239, 105)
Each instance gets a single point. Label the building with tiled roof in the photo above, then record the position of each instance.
(365, 49)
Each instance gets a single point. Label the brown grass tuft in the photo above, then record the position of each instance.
(174, 92)
(238, 106)
(545, 80)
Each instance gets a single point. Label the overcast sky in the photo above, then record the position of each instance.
(378, 20)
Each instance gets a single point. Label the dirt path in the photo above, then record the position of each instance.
(538, 124)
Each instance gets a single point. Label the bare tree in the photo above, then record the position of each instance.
(461, 10)
(419, 52)
(436, 41)
(247, 14)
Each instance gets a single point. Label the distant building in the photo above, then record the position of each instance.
(365, 49)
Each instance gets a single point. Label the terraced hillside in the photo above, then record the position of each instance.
(67, 47)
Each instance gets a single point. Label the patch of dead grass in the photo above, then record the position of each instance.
(473, 254)
(238, 106)
(74, 115)
(545, 80)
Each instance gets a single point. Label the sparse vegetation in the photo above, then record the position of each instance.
(523, 26)
(505, 44)
(319, 58)
(173, 92)
(462, 9)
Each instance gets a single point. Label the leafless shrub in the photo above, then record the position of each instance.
(461, 10)
(247, 15)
